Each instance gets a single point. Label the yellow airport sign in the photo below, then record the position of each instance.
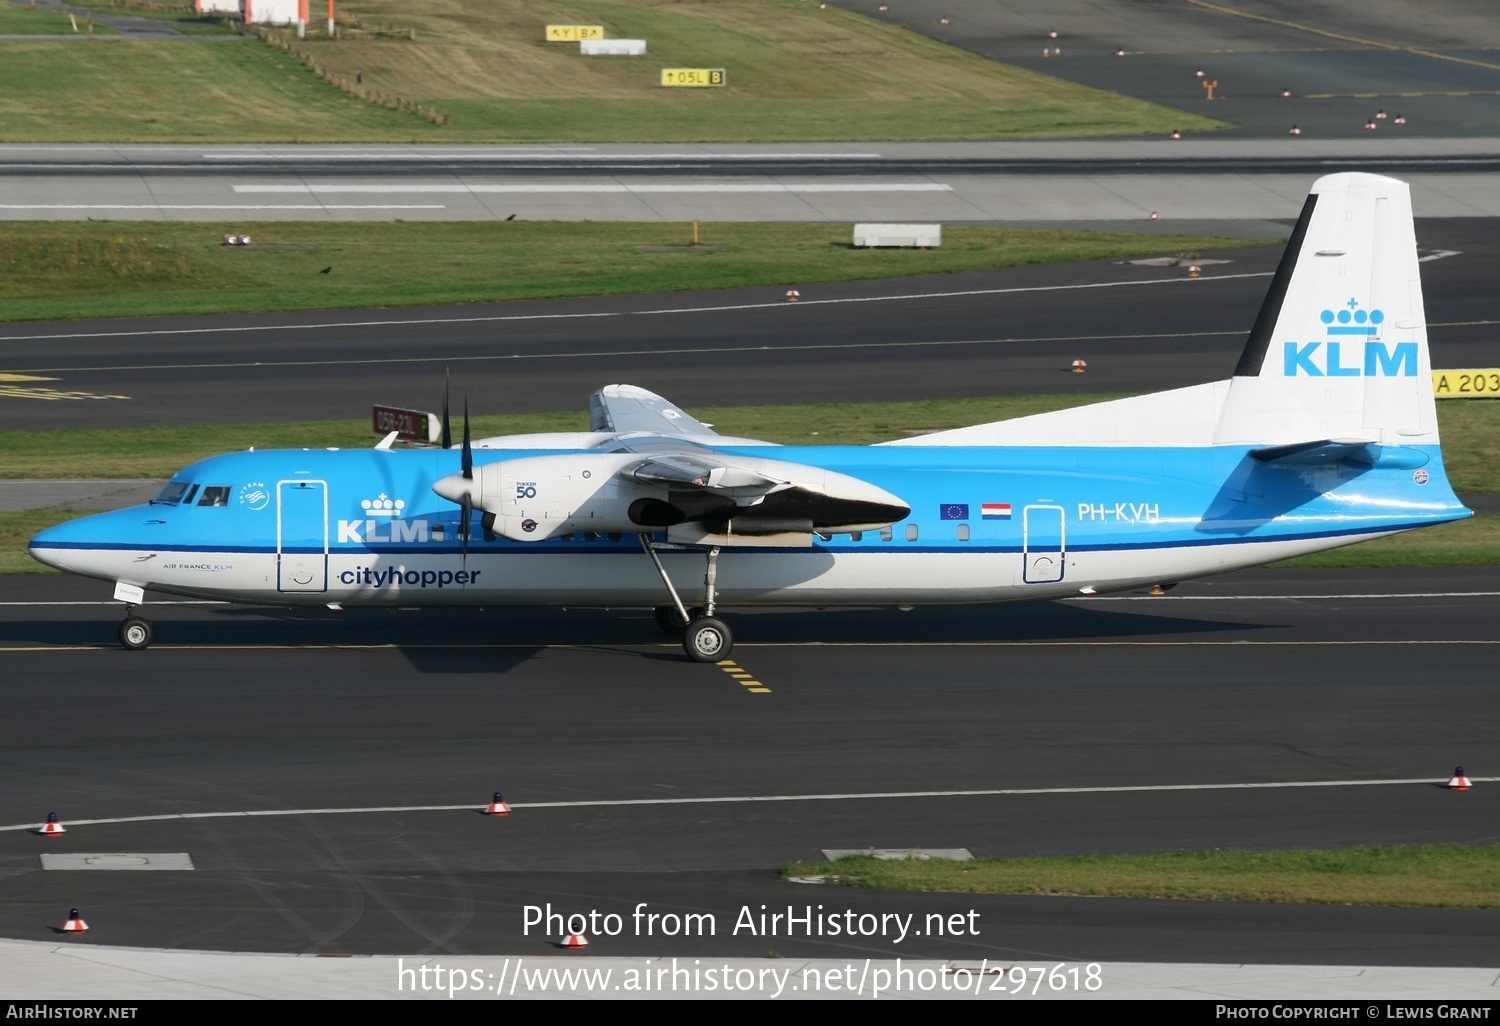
(573, 33)
(1466, 384)
(692, 76)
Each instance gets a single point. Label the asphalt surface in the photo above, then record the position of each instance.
(1256, 678)
(1009, 332)
(1438, 64)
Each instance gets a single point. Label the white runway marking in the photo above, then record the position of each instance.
(779, 304)
(221, 206)
(1298, 598)
(668, 189)
(751, 799)
(533, 155)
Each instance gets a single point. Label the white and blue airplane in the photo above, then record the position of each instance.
(1325, 435)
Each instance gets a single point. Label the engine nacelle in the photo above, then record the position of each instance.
(538, 497)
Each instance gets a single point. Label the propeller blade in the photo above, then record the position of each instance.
(447, 424)
(463, 534)
(468, 454)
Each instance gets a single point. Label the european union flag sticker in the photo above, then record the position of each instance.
(955, 511)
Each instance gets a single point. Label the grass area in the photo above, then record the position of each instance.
(1428, 876)
(180, 91)
(160, 452)
(794, 72)
(109, 269)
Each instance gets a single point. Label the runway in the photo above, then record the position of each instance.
(1318, 680)
(1006, 332)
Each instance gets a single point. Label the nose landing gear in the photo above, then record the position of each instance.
(135, 631)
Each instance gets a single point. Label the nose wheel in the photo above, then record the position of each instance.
(135, 633)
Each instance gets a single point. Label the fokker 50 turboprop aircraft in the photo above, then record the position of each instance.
(1325, 435)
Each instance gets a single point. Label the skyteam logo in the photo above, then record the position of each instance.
(1337, 358)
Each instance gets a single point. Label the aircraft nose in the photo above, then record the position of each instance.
(57, 547)
(43, 544)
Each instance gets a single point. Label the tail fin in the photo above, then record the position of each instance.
(1339, 350)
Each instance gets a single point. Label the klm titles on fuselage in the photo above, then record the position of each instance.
(1369, 358)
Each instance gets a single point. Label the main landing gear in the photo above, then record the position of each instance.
(135, 631)
(705, 638)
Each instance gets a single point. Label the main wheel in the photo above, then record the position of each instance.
(135, 633)
(707, 640)
(671, 621)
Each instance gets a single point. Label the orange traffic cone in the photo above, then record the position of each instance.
(575, 941)
(52, 827)
(497, 807)
(1458, 782)
(1079, 366)
(75, 923)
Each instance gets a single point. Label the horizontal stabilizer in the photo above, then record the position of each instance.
(1323, 451)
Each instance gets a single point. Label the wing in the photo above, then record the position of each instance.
(626, 409)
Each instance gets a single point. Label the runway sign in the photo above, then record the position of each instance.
(573, 33)
(1466, 384)
(410, 425)
(692, 76)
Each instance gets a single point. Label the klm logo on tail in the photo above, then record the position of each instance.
(1335, 358)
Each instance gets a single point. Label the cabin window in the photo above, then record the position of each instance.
(911, 532)
(591, 536)
(172, 492)
(824, 537)
(187, 500)
(214, 495)
(565, 537)
(615, 536)
(887, 533)
(856, 535)
(438, 532)
(963, 532)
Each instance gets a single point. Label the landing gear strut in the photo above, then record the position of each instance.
(705, 638)
(135, 631)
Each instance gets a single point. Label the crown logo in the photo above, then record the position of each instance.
(382, 506)
(1353, 319)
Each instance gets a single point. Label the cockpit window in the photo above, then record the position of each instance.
(172, 492)
(214, 495)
